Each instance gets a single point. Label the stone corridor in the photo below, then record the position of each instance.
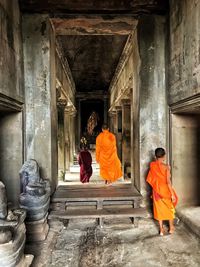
(118, 244)
(67, 67)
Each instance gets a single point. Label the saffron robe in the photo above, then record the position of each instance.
(106, 156)
(85, 162)
(163, 207)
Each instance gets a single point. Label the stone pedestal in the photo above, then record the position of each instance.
(37, 230)
(12, 236)
(35, 199)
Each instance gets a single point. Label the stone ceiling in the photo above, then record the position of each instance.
(93, 33)
(92, 59)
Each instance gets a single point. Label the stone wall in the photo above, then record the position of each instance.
(11, 75)
(11, 98)
(184, 65)
(65, 78)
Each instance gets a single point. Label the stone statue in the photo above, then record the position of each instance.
(35, 199)
(12, 234)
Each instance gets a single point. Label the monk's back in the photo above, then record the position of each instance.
(106, 156)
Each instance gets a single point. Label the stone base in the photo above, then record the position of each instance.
(37, 230)
(190, 217)
(25, 261)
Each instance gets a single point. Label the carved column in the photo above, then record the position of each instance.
(126, 137)
(61, 104)
(112, 121)
(70, 114)
(119, 130)
(105, 103)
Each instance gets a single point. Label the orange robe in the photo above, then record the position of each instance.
(163, 207)
(106, 156)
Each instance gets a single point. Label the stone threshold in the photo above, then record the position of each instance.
(190, 216)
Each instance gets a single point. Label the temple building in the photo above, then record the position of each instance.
(67, 67)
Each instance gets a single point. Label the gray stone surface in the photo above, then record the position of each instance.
(119, 244)
(3, 202)
(11, 66)
(152, 121)
(12, 235)
(184, 46)
(35, 191)
(40, 98)
(191, 217)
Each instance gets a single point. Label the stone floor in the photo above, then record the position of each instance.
(117, 244)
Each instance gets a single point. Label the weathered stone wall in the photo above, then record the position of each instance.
(135, 111)
(11, 76)
(184, 61)
(40, 94)
(65, 120)
(152, 89)
(11, 98)
(65, 79)
(11, 153)
(122, 81)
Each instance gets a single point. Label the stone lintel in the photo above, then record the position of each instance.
(98, 94)
(10, 104)
(189, 105)
(95, 25)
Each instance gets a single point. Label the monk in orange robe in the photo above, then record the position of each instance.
(164, 196)
(106, 156)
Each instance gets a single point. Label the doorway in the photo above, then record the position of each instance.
(185, 156)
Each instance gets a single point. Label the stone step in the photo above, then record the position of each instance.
(99, 213)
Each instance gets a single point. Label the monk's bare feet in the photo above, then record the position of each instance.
(171, 231)
(161, 233)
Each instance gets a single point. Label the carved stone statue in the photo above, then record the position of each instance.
(12, 234)
(35, 199)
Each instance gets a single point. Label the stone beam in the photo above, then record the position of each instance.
(135, 7)
(99, 94)
(96, 25)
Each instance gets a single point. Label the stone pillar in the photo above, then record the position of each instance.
(40, 94)
(112, 121)
(61, 104)
(152, 89)
(67, 138)
(126, 138)
(73, 128)
(119, 131)
(105, 103)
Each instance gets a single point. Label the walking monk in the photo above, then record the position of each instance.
(106, 156)
(85, 162)
(164, 196)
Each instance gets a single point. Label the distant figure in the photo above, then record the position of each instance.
(106, 156)
(92, 122)
(164, 196)
(85, 162)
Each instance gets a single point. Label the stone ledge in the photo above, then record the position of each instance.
(190, 217)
